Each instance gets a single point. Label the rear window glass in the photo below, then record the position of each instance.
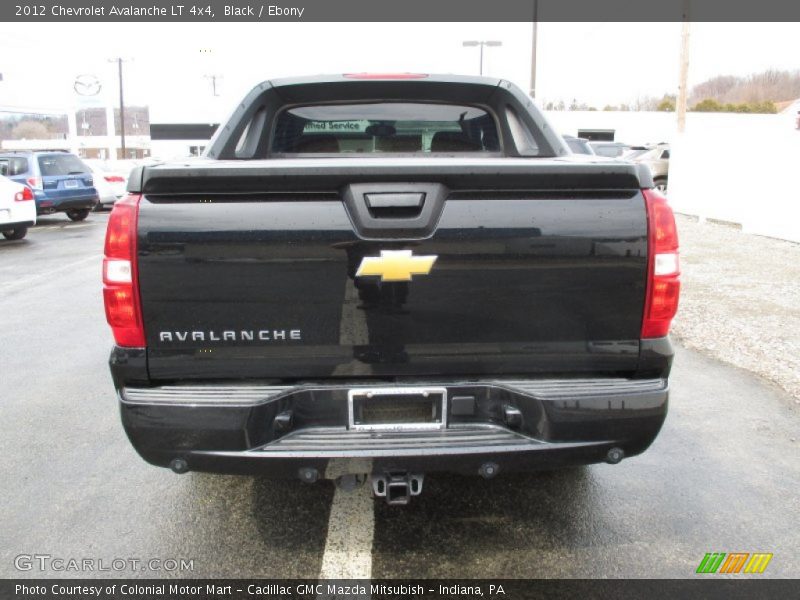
(61, 164)
(391, 127)
(13, 165)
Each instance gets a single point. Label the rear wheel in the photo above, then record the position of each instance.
(15, 234)
(78, 214)
(661, 185)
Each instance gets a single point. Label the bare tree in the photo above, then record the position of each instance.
(770, 85)
(30, 130)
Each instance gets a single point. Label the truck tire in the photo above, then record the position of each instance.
(15, 234)
(78, 214)
(661, 184)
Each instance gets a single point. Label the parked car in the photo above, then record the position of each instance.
(609, 149)
(17, 209)
(656, 157)
(579, 145)
(110, 179)
(60, 181)
(514, 308)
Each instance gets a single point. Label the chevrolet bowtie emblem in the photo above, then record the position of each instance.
(395, 265)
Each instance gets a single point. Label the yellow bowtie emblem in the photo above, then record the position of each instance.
(395, 265)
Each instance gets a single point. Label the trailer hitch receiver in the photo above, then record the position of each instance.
(397, 488)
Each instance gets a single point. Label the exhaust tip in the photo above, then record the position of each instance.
(350, 482)
(179, 466)
(615, 455)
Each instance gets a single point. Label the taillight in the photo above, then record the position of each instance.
(35, 182)
(24, 195)
(120, 280)
(663, 267)
(114, 179)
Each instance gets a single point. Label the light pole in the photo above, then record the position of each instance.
(213, 78)
(482, 43)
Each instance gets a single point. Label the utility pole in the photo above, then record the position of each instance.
(683, 92)
(533, 46)
(121, 110)
(119, 61)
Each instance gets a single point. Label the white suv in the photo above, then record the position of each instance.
(17, 209)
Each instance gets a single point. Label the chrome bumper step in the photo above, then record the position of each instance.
(320, 439)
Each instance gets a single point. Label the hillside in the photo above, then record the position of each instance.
(768, 86)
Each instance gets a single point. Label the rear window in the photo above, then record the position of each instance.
(390, 127)
(13, 165)
(61, 164)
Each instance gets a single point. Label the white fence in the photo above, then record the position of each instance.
(733, 167)
(740, 168)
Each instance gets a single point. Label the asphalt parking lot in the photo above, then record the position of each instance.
(722, 476)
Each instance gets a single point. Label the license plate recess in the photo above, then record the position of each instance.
(397, 408)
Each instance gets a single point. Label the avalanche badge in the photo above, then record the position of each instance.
(395, 265)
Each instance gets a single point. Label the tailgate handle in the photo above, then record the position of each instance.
(396, 209)
(395, 200)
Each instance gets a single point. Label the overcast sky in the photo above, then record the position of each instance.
(596, 63)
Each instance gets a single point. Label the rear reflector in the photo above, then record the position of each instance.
(385, 75)
(120, 277)
(663, 267)
(24, 195)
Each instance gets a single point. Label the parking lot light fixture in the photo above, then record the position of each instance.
(481, 43)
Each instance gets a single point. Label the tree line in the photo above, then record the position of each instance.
(756, 93)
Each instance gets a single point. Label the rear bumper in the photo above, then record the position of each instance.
(15, 225)
(48, 204)
(17, 214)
(233, 429)
(108, 200)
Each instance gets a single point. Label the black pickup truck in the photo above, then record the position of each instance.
(390, 275)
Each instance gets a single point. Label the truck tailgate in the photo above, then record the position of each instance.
(248, 270)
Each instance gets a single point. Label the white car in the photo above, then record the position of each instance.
(110, 180)
(17, 209)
